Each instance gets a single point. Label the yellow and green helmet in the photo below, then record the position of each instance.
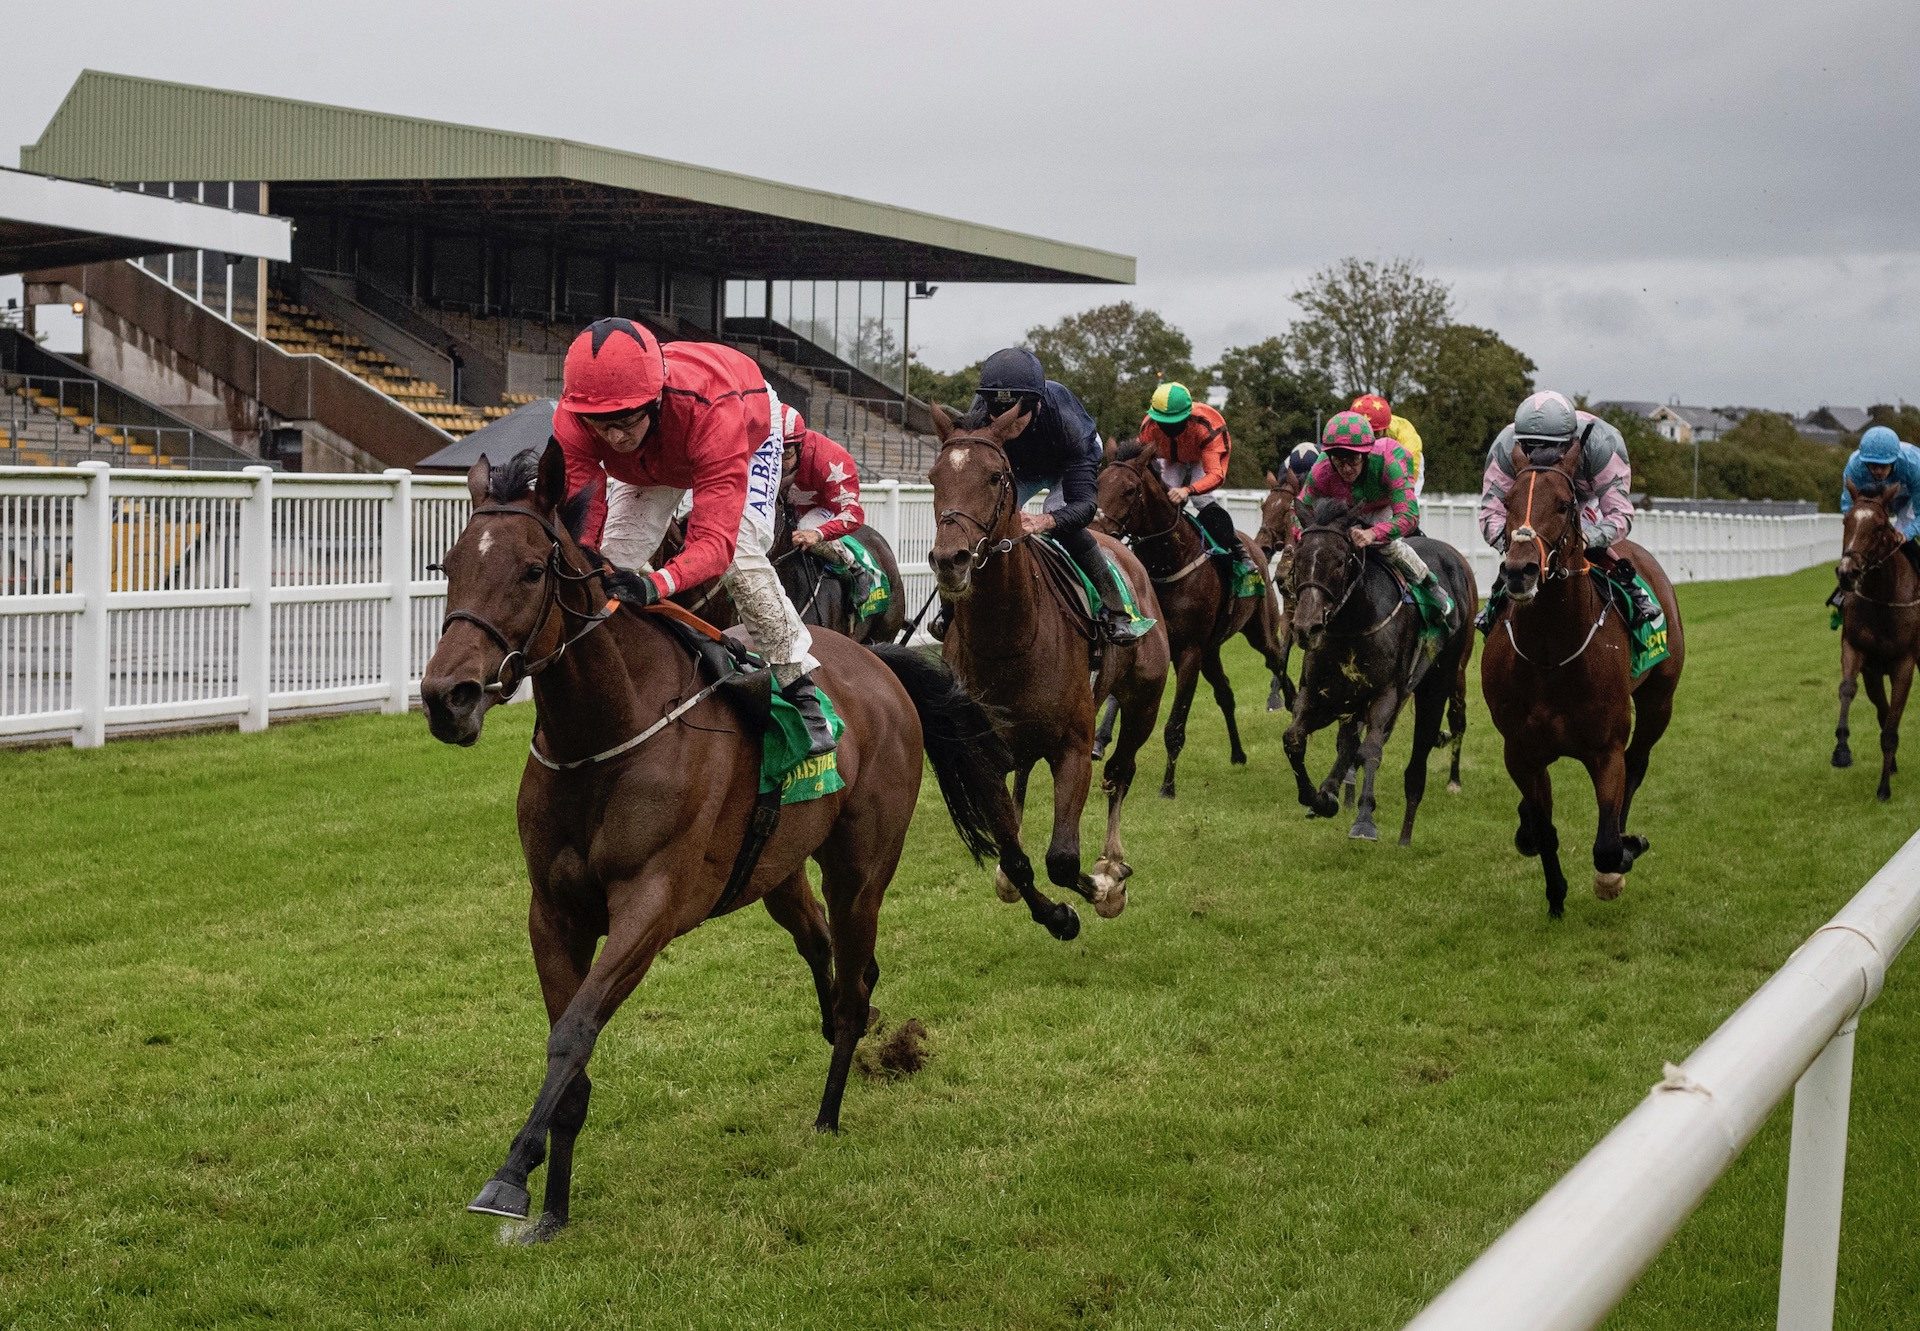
(1172, 403)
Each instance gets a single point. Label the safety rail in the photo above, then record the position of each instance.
(137, 598)
(1569, 1261)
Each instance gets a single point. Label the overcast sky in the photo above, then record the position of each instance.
(1714, 201)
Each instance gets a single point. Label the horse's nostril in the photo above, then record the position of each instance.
(465, 696)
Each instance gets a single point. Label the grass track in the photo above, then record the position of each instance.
(267, 1020)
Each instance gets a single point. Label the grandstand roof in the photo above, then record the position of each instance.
(45, 223)
(329, 158)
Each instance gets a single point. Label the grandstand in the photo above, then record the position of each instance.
(437, 272)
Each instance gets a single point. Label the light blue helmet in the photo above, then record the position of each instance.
(1879, 446)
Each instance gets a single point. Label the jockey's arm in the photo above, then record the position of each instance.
(719, 498)
(1214, 460)
(1402, 510)
(1607, 515)
(1495, 485)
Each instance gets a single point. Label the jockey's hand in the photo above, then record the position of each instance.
(806, 538)
(1036, 524)
(634, 589)
(1362, 537)
(1179, 495)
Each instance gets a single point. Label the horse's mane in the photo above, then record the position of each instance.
(1546, 455)
(515, 478)
(1129, 449)
(1331, 513)
(975, 417)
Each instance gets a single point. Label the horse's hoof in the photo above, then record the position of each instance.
(1324, 806)
(1842, 758)
(1109, 891)
(501, 1198)
(1364, 831)
(543, 1230)
(1166, 791)
(1607, 886)
(1453, 787)
(1003, 886)
(1238, 759)
(1883, 794)
(1066, 925)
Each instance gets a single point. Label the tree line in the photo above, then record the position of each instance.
(1384, 326)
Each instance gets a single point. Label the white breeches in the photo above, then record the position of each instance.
(831, 551)
(1401, 555)
(1177, 474)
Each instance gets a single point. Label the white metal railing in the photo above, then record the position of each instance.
(1569, 1260)
(131, 598)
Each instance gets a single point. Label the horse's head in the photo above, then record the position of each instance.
(1543, 520)
(504, 577)
(974, 496)
(1132, 498)
(1869, 534)
(1326, 570)
(1277, 522)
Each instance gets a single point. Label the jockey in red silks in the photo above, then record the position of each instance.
(656, 422)
(822, 487)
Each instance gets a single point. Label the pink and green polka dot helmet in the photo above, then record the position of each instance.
(1348, 431)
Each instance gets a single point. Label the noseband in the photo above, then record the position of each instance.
(1350, 556)
(986, 547)
(1525, 532)
(514, 666)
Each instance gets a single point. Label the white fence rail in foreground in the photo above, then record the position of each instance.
(1567, 1262)
(135, 598)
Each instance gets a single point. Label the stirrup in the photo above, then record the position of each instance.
(805, 697)
(1121, 630)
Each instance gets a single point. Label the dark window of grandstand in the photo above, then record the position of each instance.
(456, 273)
(187, 189)
(246, 196)
(693, 298)
(586, 290)
(185, 274)
(322, 243)
(215, 270)
(527, 291)
(636, 287)
(386, 256)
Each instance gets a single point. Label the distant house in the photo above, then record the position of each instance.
(1689, 425)
(1841, 420)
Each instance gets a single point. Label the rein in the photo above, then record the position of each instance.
(1846, 553)
(1525, 532)
(986, 547)
(1140, 543)
(514, 666)
(1353, 584)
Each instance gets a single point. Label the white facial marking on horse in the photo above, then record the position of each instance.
(957, 457)
(486, 543)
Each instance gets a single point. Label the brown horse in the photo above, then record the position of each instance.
(820, 597)
(1879, 623)
(1557, 678)
(1195, 594)
(638, 793)
(1018, 647)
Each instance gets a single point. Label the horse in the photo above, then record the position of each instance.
(1879, 623)
(1556, 672)
(642, 785)
(1363, 658)
(1018, 645)
(1196, 597)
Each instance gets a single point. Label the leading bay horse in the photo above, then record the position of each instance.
(1196, 597)
(1363, 657)
(1557, 675)
(1879, 623)
(1019, 648)
(638, 792)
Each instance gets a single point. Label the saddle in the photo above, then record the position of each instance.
(1243, 577)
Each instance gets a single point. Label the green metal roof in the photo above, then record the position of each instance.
(114, 127)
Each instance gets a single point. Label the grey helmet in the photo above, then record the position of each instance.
(1546, 418)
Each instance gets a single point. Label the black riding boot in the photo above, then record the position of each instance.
(806, 701)
(853, 576)
(1115, 623)
(1911, 549)
(1219, 525)
(1645, 608)
(1491, 607)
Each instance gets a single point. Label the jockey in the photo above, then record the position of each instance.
(1190, 447)
(821, 484)
(1550, 423)
(1884, 461)
(1386, 425)
(1059, 452)
(1299, 463)
(655, 422)
(1373, 476)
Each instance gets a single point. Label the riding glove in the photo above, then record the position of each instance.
(634, 589)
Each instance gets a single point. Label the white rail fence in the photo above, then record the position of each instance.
(1568, 1262)
(130, 599)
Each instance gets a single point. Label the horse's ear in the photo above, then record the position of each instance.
(1570, 460)
(1008, 424)
(550, 487)
(1109, 447)
(1893, 496)
(1273, 482)
(478, 476)
(1853, 491)
(942, 423)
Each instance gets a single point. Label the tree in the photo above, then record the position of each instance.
(1113, 357)
(1372, 326)
(1475, 383)
(1273, 403)
(953, 389)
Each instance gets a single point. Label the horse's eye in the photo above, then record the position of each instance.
(533, 572)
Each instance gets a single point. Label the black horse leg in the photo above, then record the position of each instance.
(1319, 803)
(1004, 885)
(1174, 735)
(1346, 755)
(1380, 718)
(1849, 687)
(1537, 834)
(1890, 727)
(1427, 705)
(1103, 734)
(1876, 682)
(1216, 675)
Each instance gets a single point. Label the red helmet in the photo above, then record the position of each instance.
(1374, 407)
(613, 366)
(792, 423)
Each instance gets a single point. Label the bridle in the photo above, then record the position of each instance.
(1525, 532)
(514, 666)
(1140, 543)
(1350, 556)
(1846, 553)
(1004, 497)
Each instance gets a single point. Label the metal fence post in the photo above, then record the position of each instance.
(256, 616)
(396, 569)
(1816, 1185)
(92, 581)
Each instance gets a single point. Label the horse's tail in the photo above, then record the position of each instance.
(970, 760)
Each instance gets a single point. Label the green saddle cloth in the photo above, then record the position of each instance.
(1433, 620)
(1089, 594)
(1649, 640)
(882, 594)
(1246, 577)
(784, 765)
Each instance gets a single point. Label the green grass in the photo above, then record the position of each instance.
(267, 1020)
